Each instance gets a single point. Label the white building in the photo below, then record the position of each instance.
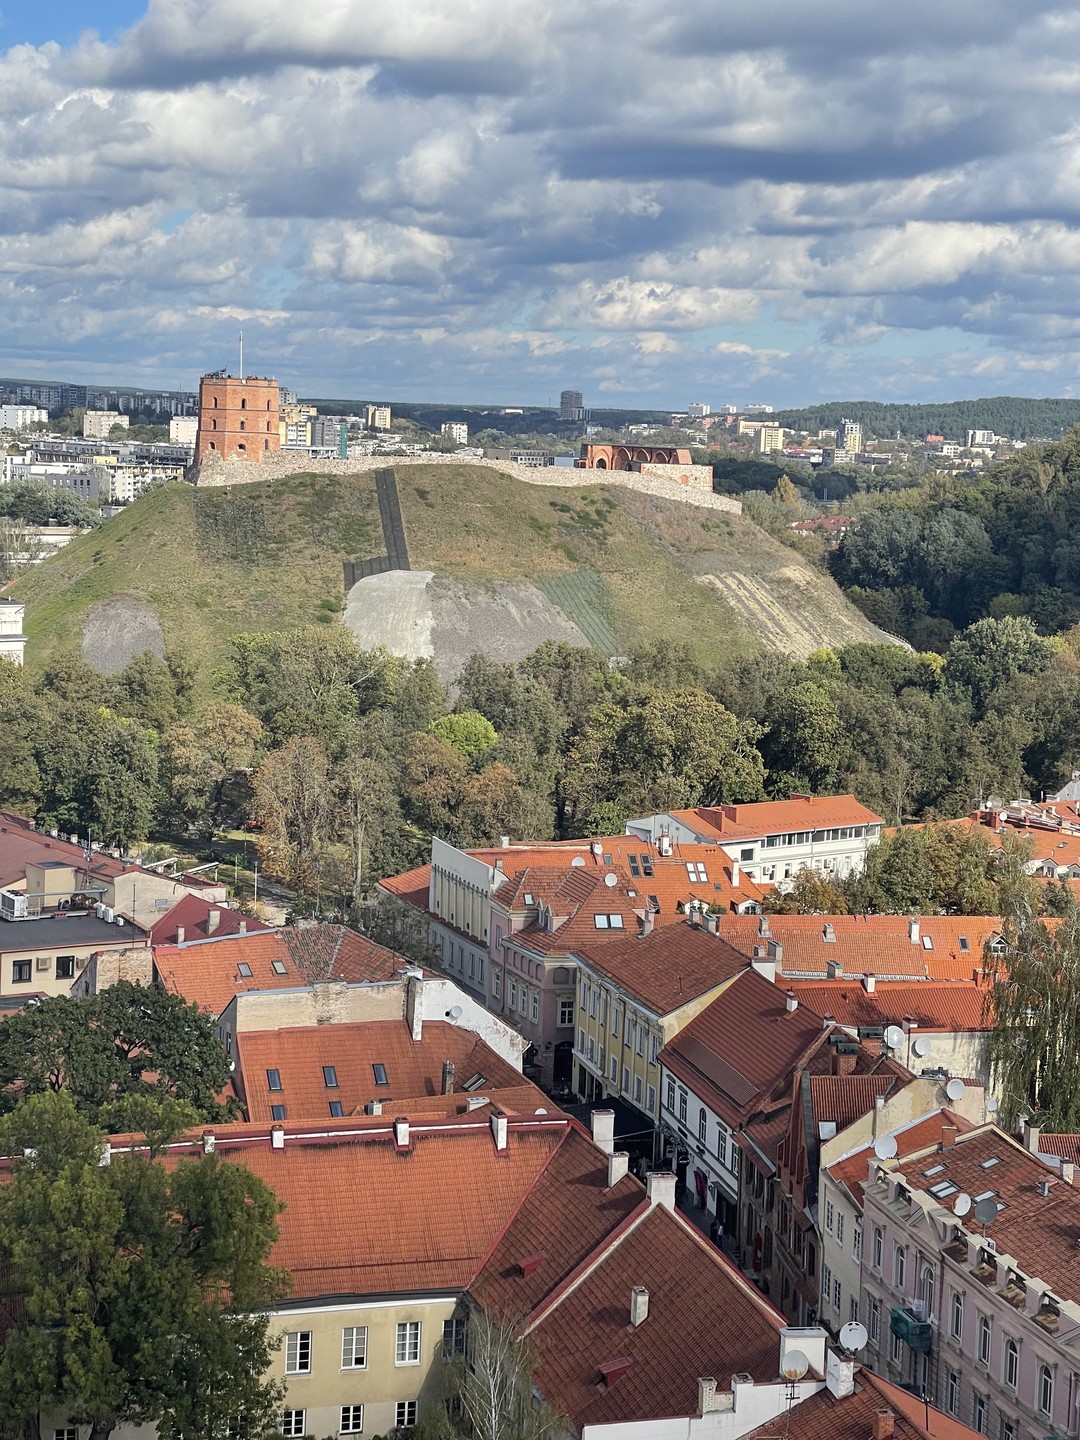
(12, 639)
(457, 431)
(98, 423)
(698, 410)
(182, 429)
(17, 417)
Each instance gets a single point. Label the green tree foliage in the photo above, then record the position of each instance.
(810, 893)
(949, 869)
(1018, 416)
(37, 504)
(467, 731)
(200, 760)
(992, 653)
(127, 1041)
(143, 1288)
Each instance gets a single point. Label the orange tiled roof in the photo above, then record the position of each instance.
(850, 1171)
(668, 968)
(704, 1319)
(192, 914)
(414, 1068)
(1067, 1147)
(823, 1417)
(952, 1006)
(880, 945)
(843, 1099)
(21, 844)
(776, 817)
(573, 1184)
(411, 888)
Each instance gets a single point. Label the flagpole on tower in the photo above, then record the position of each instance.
(241, 355)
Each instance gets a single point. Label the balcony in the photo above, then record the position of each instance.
(918, 1335)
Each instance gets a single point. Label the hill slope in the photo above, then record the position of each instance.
(189, 568)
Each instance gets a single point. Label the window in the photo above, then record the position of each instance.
(298, 1353)
(826, 1283)
(1006, 1427)
(352, 1420)
(625, 1079)
(381, 1077)
(734, 1158)
(839, 1227)
(900, 1267)
(1045, 1393)
(984, 1341)
(293, 1422)
(878, 1248)
(524, 1003)
(703, 1125)
(874, 1318)
(405, 1414)
(69, 1433)
(337, 1110)
(829, 1216)
(614, 1069)
(641, 1033)
(329, 1077)
(278, 1112)
(654, 1048)
(615, 1022)
(952, 1392)
(65, 967)
(1010, 1364)
(853, 1308)
(354, 1347)
(638, 1083)
(669, 1093)
(273, 1079)
(856, 1243)
(956, 1316)
(926, 1289)
(279, 967)
(584, 994)
(895, 1349)
(581, 1042)
(696, 873)
(408, 1343)
(566, 1011)
(244, 970)
(979, 1410)
(721, 1143)
(592, 1048)
(535, 1006)
(20, 972)
(496, 990)
(682, 1106)
(837, 1295)
(513, 994)
(652, 1100)
(453, 1337)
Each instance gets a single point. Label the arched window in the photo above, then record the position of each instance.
(266, 444)
(241, 447)
(956, 1316)
(268, 404)
(900, 1271)
(269, 427)
(926, 1289)
(243, 424)
(1010, 1364)
(215, 402)
(212, 445)
(1045, 1397)
(243, 404)
(213, 424)
(984, 1340)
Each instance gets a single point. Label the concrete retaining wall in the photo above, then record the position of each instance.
(650, 480)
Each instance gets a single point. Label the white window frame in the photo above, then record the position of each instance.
(407, 1343)
(354, 1340)
(403, 1409)
(291, 1426)
(348, 1412)
(298, 1352)
(566, 1011)
(986, 1340)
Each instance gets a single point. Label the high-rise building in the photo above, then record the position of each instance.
(770, 438)
(378, 417)
(97, 423)
(457, 431)
(238, 417)
(183, 429)
(571, 405)
(849, 436)
(697, 410)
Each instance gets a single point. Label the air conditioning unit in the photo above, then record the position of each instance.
(43, 963)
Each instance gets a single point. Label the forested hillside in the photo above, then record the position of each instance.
(1015, 416)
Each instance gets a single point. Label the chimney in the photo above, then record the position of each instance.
(476, 1102)
(639, 1305)
(498, 1130)
(647, 922)
(765, 967)
(869, 983)
(913, 936)
(617, 1166)
(448, 1077)
(844, 1059)
(884, 1421)
(790, 1003)
(948, 1136)
(373, 1107)
(1068, 1172)
(602, 1123)
(401, 1133)
(706, 1394)
(1032, 1136)
(660, 1189)
(208, 1142)
(277, 1137)
(180, 933)
(241, 927)
(213, 920)
(414, 1003)
(105, 1156)
(840, 1376)
(736, 874)
(504, 842)
(834, 969)
(763, 926)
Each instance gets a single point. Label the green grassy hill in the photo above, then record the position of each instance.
(627, 568)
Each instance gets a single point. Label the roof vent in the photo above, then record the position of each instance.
(401, 1133)
(790, 1002)
(531, 1263)
(277, 1137)
(498, 1131)
(639, 1305)
(613, 1370)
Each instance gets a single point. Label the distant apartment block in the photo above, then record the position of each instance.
(849, 436)
(377, 417)
(770, 440)
(697, 410)
(571, 405)
(183, 429)
(17, 417)
(758, 409)
(97, 424)
(455, 430)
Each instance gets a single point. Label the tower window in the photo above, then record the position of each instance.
(243, 404)
(241, 447)
(213, 424)
(243, 424)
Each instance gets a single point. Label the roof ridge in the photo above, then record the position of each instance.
(584, 1268)
(530, 1190)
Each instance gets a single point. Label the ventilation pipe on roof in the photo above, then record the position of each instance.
(869, 983)
(498, 1131)
(764, 966)
(948, 1136)
(373, 1107)
(1068, 1172)
(660, 1189)
(706, 1395)
(617, 1166)
(180, 933)
(648, 920)
(414, 1004)
(639, 1305)
(763, 927)
(504, 842)
(277, 1137)
(602, 1124)
(209, 1140)
(834, 969)
(475, 1102)
(241, 927)
(790, 1002)
(213, 920)
(736, 874)
(884, 1425)
(401, 1133)
(913, 936)
(1032, 1136)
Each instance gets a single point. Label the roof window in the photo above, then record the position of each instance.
(245, 969)
(329, 1075)
(381, 1077)
(964, 943)
(990, 1162)
(927, 942)
(278, 967)
(273, 1079)
(336, 1109)
(475, 1082)
(277, 1112)
(529, 898)
(943, 1189)
(934, 1170)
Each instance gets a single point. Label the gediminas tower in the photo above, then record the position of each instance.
(238, 417)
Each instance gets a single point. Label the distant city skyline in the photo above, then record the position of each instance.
(780, 203)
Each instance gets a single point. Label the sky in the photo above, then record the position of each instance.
(492, 200)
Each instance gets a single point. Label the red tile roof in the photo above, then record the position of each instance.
(667, 969)
(414, 1068)
(843, 1099)
(952, 1006)
(572, 1186)
(850, 1171)
(1067, 1147)
(880, 945)
(208, 972)
(411, 888)
(824, 1417)
(192, 914)
(742, 1045)
(704, 1319)
(21, 844)
(775, 817)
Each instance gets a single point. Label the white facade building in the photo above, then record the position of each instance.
(12, 639)
(457, 431)
(182, 429)
(98, 423)
(17, 417)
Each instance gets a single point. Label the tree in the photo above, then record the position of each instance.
(143, 1289)
(809, 893)
(468, 732)
(126, 1041)
(201, 759)
(294, 803)
(991, 652)
(496, 1386)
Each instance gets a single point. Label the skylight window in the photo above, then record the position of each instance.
(646, 864)
(927, 942)
(635, 868)
(986, 1195)
(943, 1189)
(336, 1109)
(277, 1112)
(329, 1075)
(529, 898)
(273, 1079)
(381, 1077)
(964, 943)
(278, 967)
(934, 1170)
(607, 858)
(245, 969)
(608, 922)
(475, 1082)
(615, 921)
(654, 904)
(696, 872)
(600, 921)
(989, 1163)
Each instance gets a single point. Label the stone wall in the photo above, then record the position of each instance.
(651, 479)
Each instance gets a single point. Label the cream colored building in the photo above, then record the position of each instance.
(183, 429)
(98, 423)
(12, 639)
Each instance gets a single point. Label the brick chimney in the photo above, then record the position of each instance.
(884, 1424)
(948, 1136)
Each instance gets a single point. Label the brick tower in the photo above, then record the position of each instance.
(237, 417)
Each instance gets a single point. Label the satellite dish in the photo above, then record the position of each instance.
(577, 862)
(955, 1089)
(795, 1365)
(962, 1204)
(454, 1012)
(985, 1211)
(611, 880)
(894, 1037)
(853, 1336)
(922, 1046)
(885, 1147)
(992, 1103)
